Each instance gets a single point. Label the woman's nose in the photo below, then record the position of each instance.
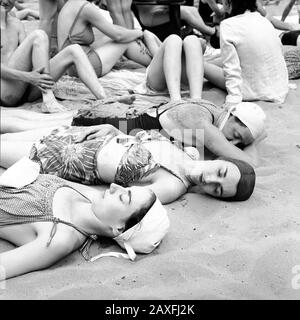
(115, 187)
(210, 178)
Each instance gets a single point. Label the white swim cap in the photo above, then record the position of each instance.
(252, 116)
(146, 235)
(143, 237)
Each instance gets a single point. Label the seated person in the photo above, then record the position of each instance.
(26, 72)
(76, 21)
(156, 19)
(180, 115)
(47, 218)
(102, 154)
(253, 66)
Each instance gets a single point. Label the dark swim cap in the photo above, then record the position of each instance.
(246, 184)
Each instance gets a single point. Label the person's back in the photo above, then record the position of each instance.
(258, 49)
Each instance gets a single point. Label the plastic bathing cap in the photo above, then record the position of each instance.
(252, 116)
(146, 235)
(143, 237)
(246, 183)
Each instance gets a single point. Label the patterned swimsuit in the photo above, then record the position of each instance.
(59, 154)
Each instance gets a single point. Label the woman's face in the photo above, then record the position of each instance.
(237, 133)
(217, 178)
(117, 204)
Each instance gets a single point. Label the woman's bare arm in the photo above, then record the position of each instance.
(35, 255)
(215, 141)
(93, 15)
(166, 186)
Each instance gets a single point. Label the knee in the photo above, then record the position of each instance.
(192, 43)
(173, 40)
(190, 40)
(39, 37)
(75, 51)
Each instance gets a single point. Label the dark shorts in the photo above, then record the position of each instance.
(290, 38)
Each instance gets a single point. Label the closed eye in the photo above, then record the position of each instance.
(223, 173)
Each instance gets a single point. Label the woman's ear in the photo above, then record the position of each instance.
(118, 229)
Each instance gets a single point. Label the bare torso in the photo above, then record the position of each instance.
(9, 39)
(66, 18)
(63, 208)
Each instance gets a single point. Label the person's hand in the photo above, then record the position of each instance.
(40, 79)
(95, 132)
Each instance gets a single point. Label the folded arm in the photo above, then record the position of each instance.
(215, 141)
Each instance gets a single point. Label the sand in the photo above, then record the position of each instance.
(214, 249)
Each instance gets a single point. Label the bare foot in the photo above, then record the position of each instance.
(52, 107)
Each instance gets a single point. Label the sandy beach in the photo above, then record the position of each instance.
(214, 249)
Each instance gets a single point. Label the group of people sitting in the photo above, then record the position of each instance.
(160, 156)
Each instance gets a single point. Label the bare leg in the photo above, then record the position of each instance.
(75, 55)
(13, 124)
(215, 75)
(168, 59)
(194, 65)
(110, 53)
(14, 146)
(32, 115)
(191, 16)
(31, 54)
(138, 52)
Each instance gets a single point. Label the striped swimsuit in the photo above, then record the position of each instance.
(33, 203)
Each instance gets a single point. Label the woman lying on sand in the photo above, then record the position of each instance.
(49, 218)
(102, 154)
(234, 133)
(26, 72)
(75, 22)
(243, 126)
(253, 66)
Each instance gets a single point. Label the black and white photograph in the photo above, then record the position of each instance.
(150, 151)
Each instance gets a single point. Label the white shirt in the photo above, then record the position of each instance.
(253, 61)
